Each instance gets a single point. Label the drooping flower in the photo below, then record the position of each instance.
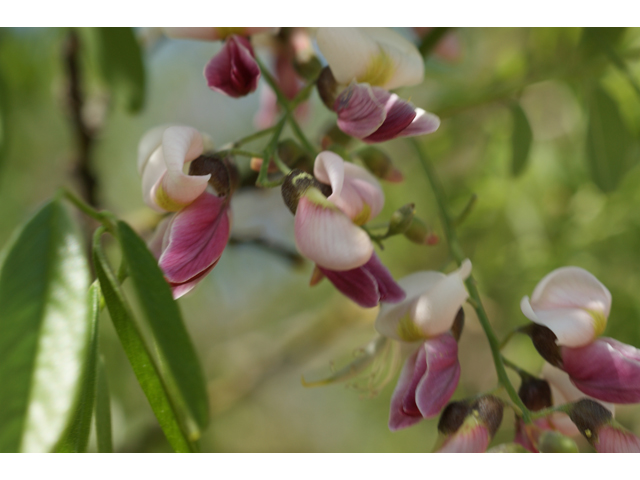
(426, 319)
(234, 70)
(380, 57)
(189, 243)
(597, 425)
(571, 308)
(572, 303)
(373, 114)
(327, 231)
(469, 427)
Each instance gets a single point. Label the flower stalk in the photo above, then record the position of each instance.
(459, 256)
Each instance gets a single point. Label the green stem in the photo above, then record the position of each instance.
(262, 180)
(253, 136)
(238, 151)
(565, 408)
(467, 210)
(297, 131)
(459, 256)
(520, 371)
(104, 217)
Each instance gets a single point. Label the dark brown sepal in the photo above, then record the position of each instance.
(453, 416)
(458, 324)
(295, 184)
(589, 415)
(224, 174)
(545, 342)
(327, 87)
(535, 393)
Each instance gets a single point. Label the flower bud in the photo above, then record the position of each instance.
(401, 219)
(535, 393)
(295, 184)
(468, 428)
(418, 232)
(327, 88)
(224, 174)
(379, 163)
(554, 442)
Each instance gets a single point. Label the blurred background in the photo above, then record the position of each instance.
(543, 125)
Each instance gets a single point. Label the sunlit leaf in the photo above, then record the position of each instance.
(120, 61)
(163, 316)
(43, 331)
(103, 411)
(520, 140)
(76, 437)
(610, 148)
(143, 365)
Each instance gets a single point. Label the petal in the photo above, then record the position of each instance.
(399, 415)
(423, 123)
(571, 287)
(563, 391)
(357, 284)
(435, 310)
(233, 71)
(399, 115)
(390, 315)
(389, 290)
(196, 238)
(149, 142)
(327, 236)
(379, 56)
(157, 242)
(606, 370)
(469, 439)
(573, 327)
(616, 440)
(175, 189)
(360, 113)
(328, 168)
(441, 377)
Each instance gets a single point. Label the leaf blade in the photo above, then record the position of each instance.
(521, 139)
(143, 365)
(43, 329)
(103, 411)
(163, 316)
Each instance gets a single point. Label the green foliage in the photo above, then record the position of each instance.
(120, 62)
(76, 437)
(611, 150)
(44, 331)
(179, 362)
(520, 140)
(144, 366)
(594, 39)
(103, 411)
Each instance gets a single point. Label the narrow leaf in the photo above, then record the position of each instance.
(143, 365)
(103, 411)
(121, 64)
(43, 331)
(610, 148)
(179, 359)
(520, 140)
(76, 437)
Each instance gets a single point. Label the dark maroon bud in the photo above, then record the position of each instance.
(535, 393)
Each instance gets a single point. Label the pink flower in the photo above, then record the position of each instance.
(373, 114)
(424, 322)
(327, 231)
(234, 70)
(189, 243)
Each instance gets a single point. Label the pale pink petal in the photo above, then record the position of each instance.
(435, 310)
(328, 168)
(574, 327)
(197, 236)
(234, 70)
(154, 170)
(441, 376)
(468, 440)
(327, 236)
(616, 440)
(149, 142)
(606, 370)
(423, 123)
(399, 115)
(390, 315)
(359, 112)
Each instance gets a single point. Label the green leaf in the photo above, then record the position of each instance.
(520, 140)
(143, 364)
(611, 150)
(595, 38)
(43, 331)
(76, 437)
(178, 357)
(103, 411)
(120, 62)
(4, 140)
